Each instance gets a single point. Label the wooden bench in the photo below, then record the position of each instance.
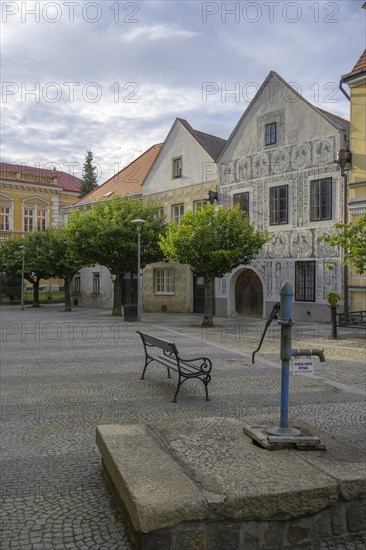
(166, 354)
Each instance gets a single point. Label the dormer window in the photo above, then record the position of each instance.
(177, 167)
(270, 137)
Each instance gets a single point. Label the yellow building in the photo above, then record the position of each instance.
(356, 80)
(32, 198)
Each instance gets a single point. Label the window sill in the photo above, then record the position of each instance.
(164, 293)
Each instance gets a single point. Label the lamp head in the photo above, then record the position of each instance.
(138, 222)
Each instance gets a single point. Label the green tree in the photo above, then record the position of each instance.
(213, 242)
(352, 238)
(89, 175)
(105, 235)
(34, 246)
(64, 264)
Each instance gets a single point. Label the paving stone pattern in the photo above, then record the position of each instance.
(64, 373)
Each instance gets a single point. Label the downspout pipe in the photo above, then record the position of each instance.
(345, 213)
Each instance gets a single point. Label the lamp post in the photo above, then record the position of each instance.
(22, 289)
(138, 222)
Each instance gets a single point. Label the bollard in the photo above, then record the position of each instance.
(286, 322)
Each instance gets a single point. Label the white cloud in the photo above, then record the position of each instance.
(156, 32)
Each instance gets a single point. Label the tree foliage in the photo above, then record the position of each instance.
(89, 175)
(34, 246)
(105, 235)
(352, 238)
(64, 263)
(213, 242)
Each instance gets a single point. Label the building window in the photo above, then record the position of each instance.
(278, 205)
(177, 167)
(199, 204)
(177, 212)
(305, 281)
(77, 284)
(159, 212)
(321, 199)
(28, 219)
(96, 283)
(271, 133)
(164, 281)
(5, 220)
(242, 200)
(41, 219)
(35, 218)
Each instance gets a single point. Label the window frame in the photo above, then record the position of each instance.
(77, 283)
(319, 192)
(159, 212)
(180, 215)
(247, 196)
(6, 218)
(177, 167)
(301, 294)
(270, 132)
(96, 282)
(164, 281)
(201, 203)
(35, 216)
(277, 211)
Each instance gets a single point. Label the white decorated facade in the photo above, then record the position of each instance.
(278, 164)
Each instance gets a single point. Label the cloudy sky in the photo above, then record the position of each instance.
(111, 76)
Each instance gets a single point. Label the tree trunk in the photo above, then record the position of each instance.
(67, 295)
(35, 293)
(117, 295)
(208, 309)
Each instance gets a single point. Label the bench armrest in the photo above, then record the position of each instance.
(205, 366)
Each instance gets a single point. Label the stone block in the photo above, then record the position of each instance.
(193, 539)
(223, 535)
(151, 541)
(274, 535)
(338, 519)
(356, 515)
(322, 525)
(299, 531)
(251, 535)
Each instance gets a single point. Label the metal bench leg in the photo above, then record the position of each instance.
(206, 382)
(180, 382)
(143, 372)
(168, 369)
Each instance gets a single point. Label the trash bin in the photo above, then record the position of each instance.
(130, 313)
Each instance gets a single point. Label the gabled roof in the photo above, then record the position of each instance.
(126, 182)
(212, 144)
(358, 70)
(335, 118)
(336, 121)
(39, 176)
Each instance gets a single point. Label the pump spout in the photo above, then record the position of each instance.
(320, 354)
(308, 353)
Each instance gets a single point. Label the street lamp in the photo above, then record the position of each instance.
(138, 222)
(22, 294)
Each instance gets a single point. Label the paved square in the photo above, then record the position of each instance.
(64, 373)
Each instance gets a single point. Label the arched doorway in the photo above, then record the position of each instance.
(249, 294)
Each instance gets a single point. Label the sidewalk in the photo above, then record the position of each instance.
(63, 374)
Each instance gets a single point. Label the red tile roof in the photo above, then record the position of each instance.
(126, 182)
(40, 176)
(361, 63)
(358, 69)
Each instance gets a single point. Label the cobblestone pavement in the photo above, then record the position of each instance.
(64, 373)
